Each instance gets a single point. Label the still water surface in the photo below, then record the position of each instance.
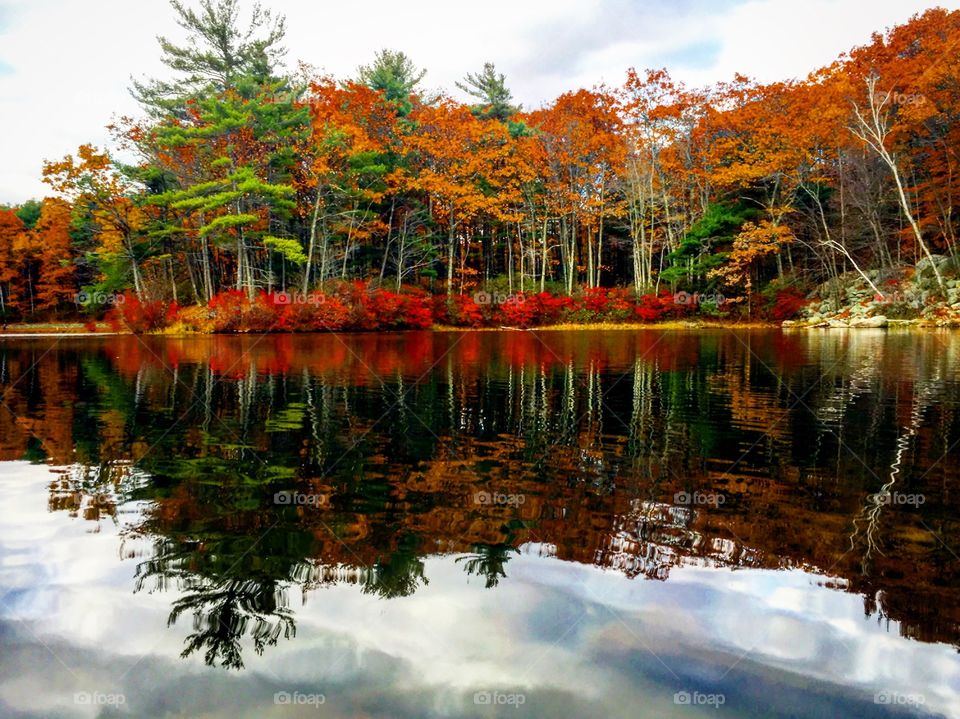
(520, 524)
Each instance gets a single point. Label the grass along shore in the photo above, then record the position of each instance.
(79, 329)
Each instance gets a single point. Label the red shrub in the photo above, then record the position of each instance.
(348, 306)
(316, 314)
(788, 304)
(362, 313)
(265, 313)
(442, 309)
(620, 300)
(653, 308)
(232, 311)
(130, 313)
(228, 309)
(458, 310)
(385, 309)
(356, 306)
(300, 316)
(333, 314)
(519, 311)
(551, 308)
(619, 303)
(417, 313)
(595, 300)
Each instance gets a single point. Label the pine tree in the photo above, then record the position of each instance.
(240, 187)
(218, 55)
(395, 75)
(490, 88)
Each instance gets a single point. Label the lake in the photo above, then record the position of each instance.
(475, 524)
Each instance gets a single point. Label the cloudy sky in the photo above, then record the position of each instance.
(65, 65)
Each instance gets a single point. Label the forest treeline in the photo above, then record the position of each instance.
(240, 180)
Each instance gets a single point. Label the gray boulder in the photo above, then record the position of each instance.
(925, 266)
(878, 321)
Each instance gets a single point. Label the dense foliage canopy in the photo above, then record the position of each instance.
(250, 180)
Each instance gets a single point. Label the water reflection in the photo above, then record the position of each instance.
(243, 470)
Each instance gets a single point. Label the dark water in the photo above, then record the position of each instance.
(551, 524)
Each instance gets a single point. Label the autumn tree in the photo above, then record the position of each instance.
(56, 285)
(348, 157)
(461, 163)
(92, 182)
(11, 260)
(872, 126)
(757, 146)
(664, 186)
(751, 245)
(584, 152)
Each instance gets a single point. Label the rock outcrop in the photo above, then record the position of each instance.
(907, 295)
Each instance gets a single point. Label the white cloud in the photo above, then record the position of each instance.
(65, 66)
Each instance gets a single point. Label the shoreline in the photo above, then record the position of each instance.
(78, 330)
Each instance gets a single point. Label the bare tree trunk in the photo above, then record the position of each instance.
(173, 279)
(839, 246)
(590, 273)
(324, 247)
(138, 287)
(520, 249)
(207, 277)
(311, 244)
(451, 254)
(386, 246)
(873, 130)
(545, 253)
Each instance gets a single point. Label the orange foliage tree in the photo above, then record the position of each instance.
(57, 283)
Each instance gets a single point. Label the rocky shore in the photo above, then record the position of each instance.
(903, 296)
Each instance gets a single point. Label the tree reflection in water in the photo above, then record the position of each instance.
(489, 562)
(637, 451)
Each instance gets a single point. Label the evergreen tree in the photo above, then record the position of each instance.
(490, 88)
(395, 75)
(29, 213)
(240, 191)
(219, 54)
